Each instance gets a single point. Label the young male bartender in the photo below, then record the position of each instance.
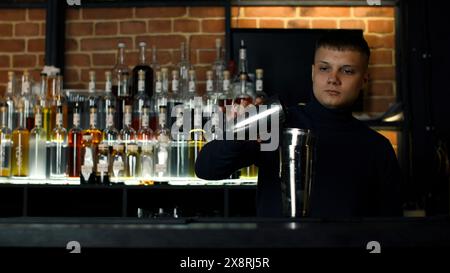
(356, 169)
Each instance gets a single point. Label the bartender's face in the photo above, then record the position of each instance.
(338, 76)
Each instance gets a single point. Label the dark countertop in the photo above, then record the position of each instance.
(133, 233)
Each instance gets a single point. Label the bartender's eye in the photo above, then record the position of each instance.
(323, 68)
(348, 71)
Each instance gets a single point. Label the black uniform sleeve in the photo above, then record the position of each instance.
(218, 159)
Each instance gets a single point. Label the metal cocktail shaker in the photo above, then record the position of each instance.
(297, 161)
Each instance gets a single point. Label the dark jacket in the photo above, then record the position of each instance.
(356, 172)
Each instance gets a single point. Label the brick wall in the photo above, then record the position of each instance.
(92, 36)
(22, 42)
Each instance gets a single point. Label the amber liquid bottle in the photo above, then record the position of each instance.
(74, 140)
(20, 148)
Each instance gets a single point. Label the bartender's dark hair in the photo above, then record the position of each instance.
(344, 40)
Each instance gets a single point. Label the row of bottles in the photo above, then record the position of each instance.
(120, 124)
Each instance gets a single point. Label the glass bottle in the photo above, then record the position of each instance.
(148, 73)
(5, 144)
(88, 166)
(127, 134)
(175, 99)
(184, 66)
(133, 162)
(92, 99)
(9, 100)
(103, 164)
(26, 100)
(141, 99)
(210, 98)
(226, 97)
(124, 99)
(58, 148)
(20, 147)
(58, 99)
(243, 96)
(261, 96)
(163, 145)
(108, 100)
(154, 64)
(146, 166)
(145, 134)
(117, 163)
(93, 130)
(38, 147)
(119, 69)
(218, 68)
(110, 134)
(74, 140)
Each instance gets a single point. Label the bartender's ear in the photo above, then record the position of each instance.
(366, 78)
(312, 72)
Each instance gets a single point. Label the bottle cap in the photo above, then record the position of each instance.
(142, 44)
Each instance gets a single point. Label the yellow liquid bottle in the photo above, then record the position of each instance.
(20, 148)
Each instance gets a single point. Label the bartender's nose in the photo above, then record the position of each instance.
(333, 78)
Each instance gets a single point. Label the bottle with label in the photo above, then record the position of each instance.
(156, 100)
(38, 148)
(20, 147)
(93, 129)
(163, 145)
(145, 134)
(210, 98)
(5, 144)
(175, 98)
(146, 166)
(117, 164)
(133, 162)
(183, 67)
(119, 69)
(9, 100)
(148, 73)
(58, 100)
(244, 96)
(26, 99)
(107, 101)
(225, 98)
(58, 148)
(261, 96)
(141, 99)
(92, 99)
(218, 68)
(88, 166)
(110, 134)
(124, 99)
(103, 164)
(127, 134)
(74, 140)
(154, 64)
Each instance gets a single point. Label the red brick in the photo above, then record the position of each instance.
(73, 14)
(2, 90)
(4, 61)
(243, 23)
(165, 58)
(206, 56)
(204, 41)
(37, 14)
(24, 60)
(160, 12)
(271, 24)
(99, 75)
(104, 59)
(324, 11)
(71, 45)
(132, 58)
(106, 28)
(43, 30)
(381, 57)
(163, 41)
(10, 45)
(236, 11)
(381, 89)
(26, 29)
(35, 74)
(329, 24)
(71, 75)
(6, 30)
(206, 12)
(74, 85)
(13, 14)
(382, 73)
(79, 29)
(107, 13)
(96, 44)
(159, 26)
(373, 11)
(377, 105)
(4, 76)
(36, 45)
(213, 26)
(269, 11)
(381, 26)
(380, 41)
(133, 27)
(352, 24)
(41, 60)
(299, 23)
(78, 60)
(186, 25)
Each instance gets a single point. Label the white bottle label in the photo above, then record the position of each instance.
(197, 118)
(86, 171)
(93, 119)
(10, 87)
(76, 119)
(191, 86)
(38, 119)
(259, 85)
(175, 85)
(127, 119)
(91, 87)
(145, 120)
(141, 85)
(158, 87)
(226, 85)
(108, 86)
(179, 115)
(162, 119)
(110, 120)
(59, 119)
(118, 165)
(102, 166)
(242, 54)
(26, 87)
(209, 85)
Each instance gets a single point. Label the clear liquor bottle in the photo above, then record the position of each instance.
(163, 146)
(103, 164)
(148, 73)
(119, 69)
(124, 99)
(26, 99)
(184, 66)
(20, 148)
(175, 98)
(9, 100)
(5, 144)
(145, 133)
(141, 99)
(110, 134)
(133, 162)
(75, 144)
(226, 97)
(244, 96)
(261, 96)
(58, 148)
(127, 134)
(147, 162)
(117, 164)
(88, 160)
(38, 147)
(92, 99)
(107, 101)
(218, 67)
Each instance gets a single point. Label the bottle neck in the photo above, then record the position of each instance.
(142, 59)
(243, 66)
(76, 119)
